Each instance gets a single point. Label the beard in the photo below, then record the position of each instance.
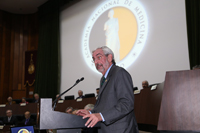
(101, 68)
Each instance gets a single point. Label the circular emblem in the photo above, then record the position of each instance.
(121, 25)
(23, 131)
(31, 67)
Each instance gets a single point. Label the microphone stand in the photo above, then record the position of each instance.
(55, 101)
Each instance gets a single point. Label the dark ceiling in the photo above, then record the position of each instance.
(21, 6)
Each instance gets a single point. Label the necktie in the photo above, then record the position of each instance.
(26, 121)
(103, 80)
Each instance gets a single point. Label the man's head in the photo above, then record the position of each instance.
(58, 96)
(89, 107)
(69, 110)
(23, 100)
(9, 99)
(27, 114)
(74, 111)
(111, 13)
(9, 113)
(80, 93)
(97, 91)
(103, 58)
(145, 84)
(196, 67)
(36, 96)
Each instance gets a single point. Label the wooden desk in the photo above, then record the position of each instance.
(147, 105)
(73, 103)
(17, 109)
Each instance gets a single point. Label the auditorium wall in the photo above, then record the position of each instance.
(18, 33)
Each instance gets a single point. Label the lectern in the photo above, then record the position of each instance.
(180, 106)
(50, 119)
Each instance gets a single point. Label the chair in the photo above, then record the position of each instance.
(89, 95)
(70, 97)
(30, 100)
(135, 88)
(19, 117)
(17, 100)
(33, 116)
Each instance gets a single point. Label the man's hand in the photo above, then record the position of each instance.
(93, 119)
(82, 112)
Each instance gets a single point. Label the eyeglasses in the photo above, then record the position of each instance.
(99, 57)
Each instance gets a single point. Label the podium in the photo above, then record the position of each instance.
(180, 106)
(60, 121)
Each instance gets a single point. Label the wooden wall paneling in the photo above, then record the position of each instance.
(1, 45)
(7, 38)
(25, 46)
(4, 55)
(18, 33)
(18, 94)
(16, 53)
(11, 57)
(21, 52)
(33, 32)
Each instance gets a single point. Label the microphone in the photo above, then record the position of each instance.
(82, 79)
(55, 101)
(79, 80)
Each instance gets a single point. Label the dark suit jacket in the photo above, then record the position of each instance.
(29, 123)
(36, 101)
(13, 102)
(116, 102)
(13, 121)
(80, 97)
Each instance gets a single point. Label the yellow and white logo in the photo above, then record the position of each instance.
(121, 25)
(23, 131)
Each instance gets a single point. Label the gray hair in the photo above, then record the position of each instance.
(196, 67)
(106, 50)
(69, 108)
(89, 107)
(80, 91)
(9, 110)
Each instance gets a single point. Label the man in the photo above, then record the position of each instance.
(10, 101)
(28, 121)
(9, 119)
(196, 67)
(24, 100)
(80, 94)
(69, 110)
(59, 97)
(145, 84)
(115, 104)
(36, 98)
(89, 107)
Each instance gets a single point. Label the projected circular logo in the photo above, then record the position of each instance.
(121, 25)
(23, 131)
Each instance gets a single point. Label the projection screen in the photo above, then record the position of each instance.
(148, 38)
